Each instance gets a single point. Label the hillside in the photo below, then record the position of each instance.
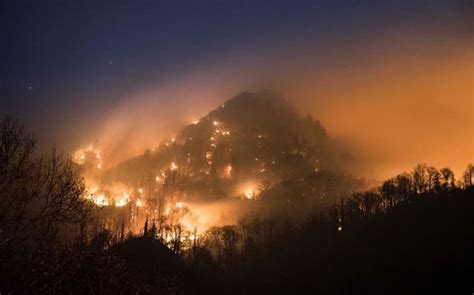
(253, 137)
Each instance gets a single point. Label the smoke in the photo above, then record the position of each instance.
(395, 100)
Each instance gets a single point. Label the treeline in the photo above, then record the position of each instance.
(412, 234)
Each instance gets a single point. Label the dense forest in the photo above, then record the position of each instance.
(410, 234)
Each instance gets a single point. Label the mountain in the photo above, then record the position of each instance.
(255, 137)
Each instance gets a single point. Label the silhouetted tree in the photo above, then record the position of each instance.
(420, 178)
(37, 194)
(467, 176)
(447, 178)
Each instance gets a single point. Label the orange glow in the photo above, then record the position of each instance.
(227, 171)
(249, 193)
(122, 200)
(139, 203)
(173, 166)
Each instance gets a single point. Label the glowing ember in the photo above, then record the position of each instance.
(84, 154)
(249, 193)
(215, 123)
(122, 201)
(100, 200)
(227, 173)
(173, 166)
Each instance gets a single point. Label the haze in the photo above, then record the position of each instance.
(397, 92)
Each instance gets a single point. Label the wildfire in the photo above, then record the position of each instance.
(173, 166)
(122, 200)
(100, 200)
(227, 172)
(249, 193)
(89, 153)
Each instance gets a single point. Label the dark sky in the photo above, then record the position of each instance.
(65, 63)
(68, 51)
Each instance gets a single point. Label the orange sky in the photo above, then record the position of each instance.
(399, 99)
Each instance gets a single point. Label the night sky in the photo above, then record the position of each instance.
(66, 63)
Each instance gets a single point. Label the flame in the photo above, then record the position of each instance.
(173, 166)
(139, 203)
(249, 193)
(122, 200)
(227, 172)
(81, 156)
(101, 200)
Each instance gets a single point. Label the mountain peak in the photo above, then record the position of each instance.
(253, 136)
(265, 100)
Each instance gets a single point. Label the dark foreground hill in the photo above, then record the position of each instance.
(420, 246)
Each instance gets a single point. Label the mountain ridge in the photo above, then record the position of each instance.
(254, 136)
